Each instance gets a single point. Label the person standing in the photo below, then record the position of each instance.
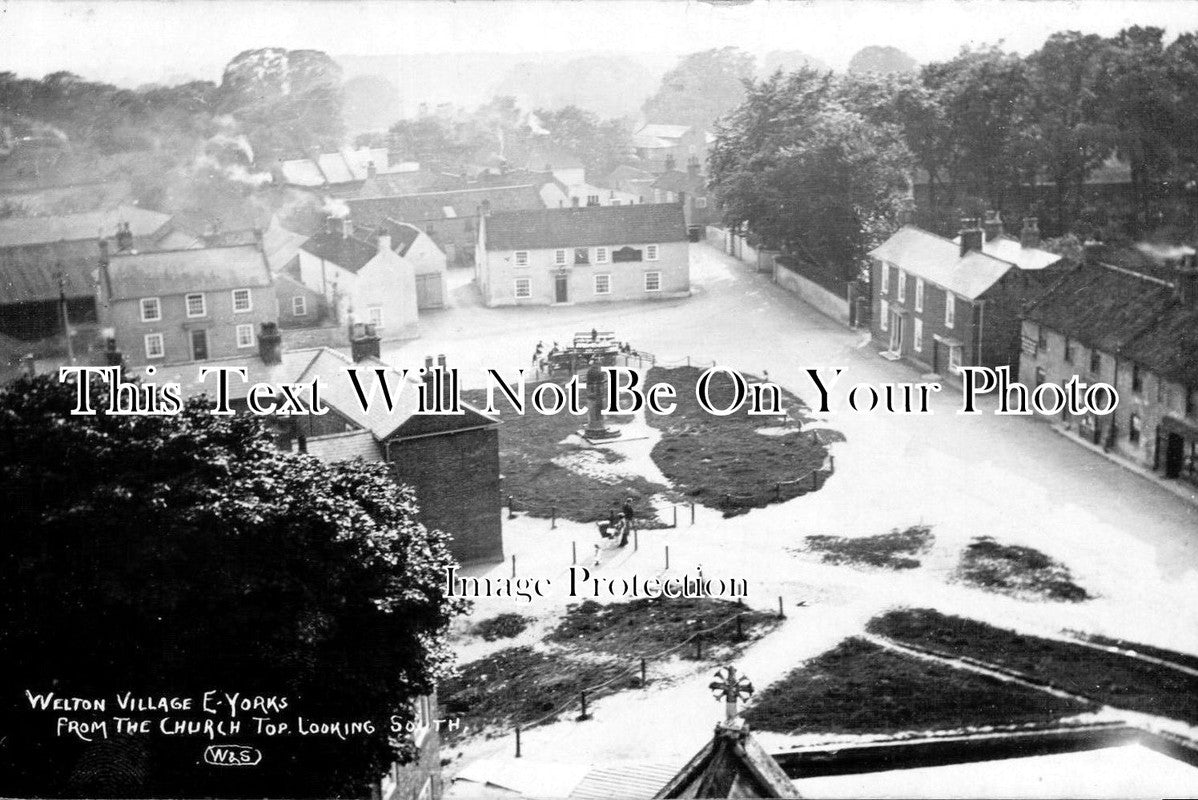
(629, 513)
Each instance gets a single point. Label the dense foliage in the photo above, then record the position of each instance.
(173, 555)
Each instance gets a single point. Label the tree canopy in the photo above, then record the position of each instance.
(171, 555)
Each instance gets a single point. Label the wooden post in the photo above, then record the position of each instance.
(584, 715)
(692, 512)
(667, 556)
(778, 491)
(636, 539)
(574, 552)
(688, 361)
(513, 565)
(510, 512)
(517, 741)
(675, 525)
(552, 518)
(831, 465)
(781, 613)
(643, 679)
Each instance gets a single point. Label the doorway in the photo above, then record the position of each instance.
(896, 333)
(199, 345)
(1174, 455)
(561, 291)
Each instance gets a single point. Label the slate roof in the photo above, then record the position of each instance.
(432, 206)
(348, 252)
(343, 166)
(168, 272)
(403, 235)
(1007, 248)
(1128, 313)
(939, 261)
(731, 764)
(29, 274)
(91, 225)
(586, 226)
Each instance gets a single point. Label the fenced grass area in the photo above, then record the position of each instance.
(1119, 680)
(740, 461)
(595, 651)
(860, 687)
(1018, 571)
(894, 550)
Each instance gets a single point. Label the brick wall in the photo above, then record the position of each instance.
(456, 478)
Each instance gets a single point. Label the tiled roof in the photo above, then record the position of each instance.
(348, 252)
(21, 231)
(664, 131)
(586, 226)
(170, 272)
(402, 235)
(432, 206)
(343, 166)
(30, 273)
(345, 447)
(410, 183)
(1127, 313)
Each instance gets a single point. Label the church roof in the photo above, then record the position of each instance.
(732, 764)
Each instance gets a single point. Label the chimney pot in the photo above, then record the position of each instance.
(993, 226)
(270, 343)
(1030, 235)
(363, 342)
(347, 228)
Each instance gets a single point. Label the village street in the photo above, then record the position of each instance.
(1128, 542)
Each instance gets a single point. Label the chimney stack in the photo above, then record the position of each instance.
(103, 252)
(384, 241)
(1186, 282)
(486, 208)
(992, 226)
(347, 227)
(363, 341)
(270, 343)
(124, 238)
(971, 236)
(331, 224)
(112, 356)
(1030, 235)
(370, 170)
(692, 165)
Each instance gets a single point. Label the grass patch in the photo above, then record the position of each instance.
(894, 550)
(593, 644)
(501, 626)
(533, 458)
(647, 626)
(1117, 680)
(1172, 656)
(1017, 571)
(859, 687)
(720, 461)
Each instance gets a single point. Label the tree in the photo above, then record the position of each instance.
(602, 145)
(172, 555)
(1071, 135)
(701, 88)
(881, 60)
(807, 174)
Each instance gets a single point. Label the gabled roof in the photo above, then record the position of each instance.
(586, 226)
(1007, 248)
(348, 252)
(664, 131)
(732, 764)
(432, 206)
(401, 183)
(1124, 312)
(340, 167)
(939, 261)
(168, 272)
(90, 225)
(402, 234)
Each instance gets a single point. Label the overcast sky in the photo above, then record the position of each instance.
(134, 40)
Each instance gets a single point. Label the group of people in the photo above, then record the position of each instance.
(621, 521)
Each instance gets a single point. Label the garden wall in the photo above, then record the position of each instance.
(812, 293)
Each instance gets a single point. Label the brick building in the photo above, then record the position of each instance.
(1128, 320)
(942, 304)
(583, 255)
(176, 306)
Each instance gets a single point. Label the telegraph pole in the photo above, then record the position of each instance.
(66, 317)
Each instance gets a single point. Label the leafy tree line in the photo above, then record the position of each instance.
(823, 165)
(172, 555)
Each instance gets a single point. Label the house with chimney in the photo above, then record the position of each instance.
(361, 277)
(49, 262)
(180, 306)
(941, 304)
(589, 254)
(689, 188)
(633, 181)
(450, 460)
(450, 218)
(427, 259)
(1129, 318)
(660, 145)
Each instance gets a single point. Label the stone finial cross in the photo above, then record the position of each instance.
(730, 687)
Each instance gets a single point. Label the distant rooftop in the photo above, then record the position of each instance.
(586, 226)
(23, 231)
(168, 272)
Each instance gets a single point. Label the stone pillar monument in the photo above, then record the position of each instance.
(596, 389)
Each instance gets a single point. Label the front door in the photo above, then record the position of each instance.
(561, 289)
(199, 345)
(1174, 455)
(896, 333)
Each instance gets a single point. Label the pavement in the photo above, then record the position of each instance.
(1128, 541)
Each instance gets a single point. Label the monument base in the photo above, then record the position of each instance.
(599, 434)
